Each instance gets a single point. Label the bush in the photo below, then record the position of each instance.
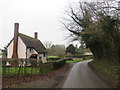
(69, 59)
(26, 67)
(46, 67)
(52, 58)
(58, 64)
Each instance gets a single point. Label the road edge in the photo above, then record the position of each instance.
(104, 78)
(62, 82)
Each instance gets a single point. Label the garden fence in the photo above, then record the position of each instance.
(24, 67)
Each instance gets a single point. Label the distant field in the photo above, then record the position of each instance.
(52, 57)
(74, 61)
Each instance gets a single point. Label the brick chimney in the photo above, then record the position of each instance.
(15, 41)
(36, 35)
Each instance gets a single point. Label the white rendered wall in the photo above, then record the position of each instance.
(88, 53)
(42, 58)
(21, 49)
(29, 53)
(10, 50)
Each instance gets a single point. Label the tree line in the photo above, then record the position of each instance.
(60, 49)
(97, 25)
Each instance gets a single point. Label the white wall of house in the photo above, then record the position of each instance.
(10, 50)
(42, 58)
(21, 49)
(29, 53)
(88, 53)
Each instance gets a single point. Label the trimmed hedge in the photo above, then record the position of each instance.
(59, 63)
(28, 67)
(53, 58)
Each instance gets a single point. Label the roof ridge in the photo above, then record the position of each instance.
(32, 42)
(28, 36)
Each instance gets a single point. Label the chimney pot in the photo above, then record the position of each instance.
(36, 35)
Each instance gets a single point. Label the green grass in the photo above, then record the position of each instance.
(52, 57)
(77, 60)
(108, 69)
(74, 61)
(12, 71)
(43, 68)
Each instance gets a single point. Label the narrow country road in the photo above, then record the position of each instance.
(81, 76)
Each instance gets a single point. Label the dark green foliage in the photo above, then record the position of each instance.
(56, 50)
(26, 67)
(46, 67)
(109, 69)
(69, 59)
(53, 58)
(98, 25)
(58, 64)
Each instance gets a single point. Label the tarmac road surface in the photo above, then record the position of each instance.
(81, 76)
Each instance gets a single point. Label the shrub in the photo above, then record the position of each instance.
(46, 67)
(58, 64)
(28, 67)
(53, 58)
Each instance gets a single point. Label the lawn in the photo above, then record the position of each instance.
(52, 57)
(13, 71)
(74, 61)
(43, 68)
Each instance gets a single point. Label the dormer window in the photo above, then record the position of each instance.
(31, 50)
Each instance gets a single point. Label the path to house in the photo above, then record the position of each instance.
(81, 76)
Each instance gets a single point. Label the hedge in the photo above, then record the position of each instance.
(28, 67)
(58, 63)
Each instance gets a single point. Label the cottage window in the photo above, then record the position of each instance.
(43, 55)
(40, 58)
(31, 50)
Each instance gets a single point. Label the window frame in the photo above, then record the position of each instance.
(30, 50)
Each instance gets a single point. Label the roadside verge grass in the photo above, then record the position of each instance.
(110, 71)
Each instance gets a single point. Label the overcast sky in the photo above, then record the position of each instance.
(40, 16)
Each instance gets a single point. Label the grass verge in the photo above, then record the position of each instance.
(110, 71)
(74, 61)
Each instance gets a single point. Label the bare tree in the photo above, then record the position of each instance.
(97, 24)
(47, 44)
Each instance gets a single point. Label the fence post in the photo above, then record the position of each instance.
(41, 68)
